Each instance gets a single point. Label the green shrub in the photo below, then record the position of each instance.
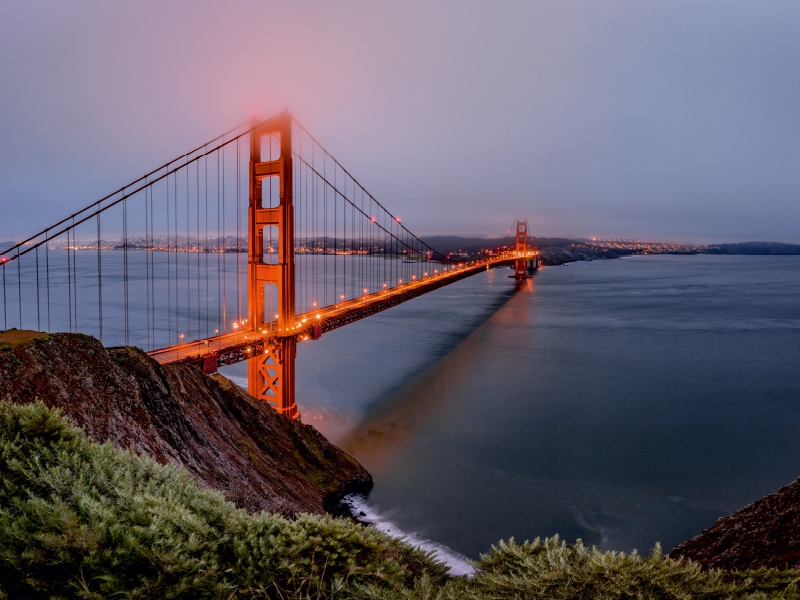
(84, 520)
(552, 569)
(81, 519)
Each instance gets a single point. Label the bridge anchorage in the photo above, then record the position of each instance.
(321, 253)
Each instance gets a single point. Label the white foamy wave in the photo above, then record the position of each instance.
(456, 562)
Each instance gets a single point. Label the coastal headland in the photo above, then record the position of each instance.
(224, 438)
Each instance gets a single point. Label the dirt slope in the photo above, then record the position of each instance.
(224, 437)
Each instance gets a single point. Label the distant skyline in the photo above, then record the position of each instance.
(673, 121)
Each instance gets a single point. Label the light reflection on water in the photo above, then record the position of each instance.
(622, 402)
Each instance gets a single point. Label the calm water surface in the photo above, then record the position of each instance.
(622, 402)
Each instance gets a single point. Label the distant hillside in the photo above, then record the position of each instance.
(454, 243)
(753, 248)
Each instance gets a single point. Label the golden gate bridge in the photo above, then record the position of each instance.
(253, 242)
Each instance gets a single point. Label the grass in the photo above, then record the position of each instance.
(11, 338)
(84, 520)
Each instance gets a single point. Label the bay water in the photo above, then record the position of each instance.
(623, 402)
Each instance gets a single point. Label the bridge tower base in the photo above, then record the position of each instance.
(271, 375)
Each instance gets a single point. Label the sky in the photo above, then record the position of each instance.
(673, 120)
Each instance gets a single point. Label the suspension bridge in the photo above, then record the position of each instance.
(237, 250)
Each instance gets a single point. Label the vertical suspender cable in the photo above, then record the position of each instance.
(304, 204)
(344, 229)
(220, 322)
(306, 238)
(125, 266)
(382, 244)
(5, 313)
(177, 249)
(38, 308)
(205, 190)
(239, 232)
(152, 266)
(297, 201)
(99, 281)
(314, 239)
(335, 238)
(75, 274)
(316, 234)
(325, 229)
(147, 192)
(224, 249)
(307, 207)
(361, 242)
(47, 276)
(169, 274)
(188, 272)
(69, 285)
(197, 246)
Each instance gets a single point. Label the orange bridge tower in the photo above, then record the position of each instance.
(526, 260)
(271, 375)
(521, 249)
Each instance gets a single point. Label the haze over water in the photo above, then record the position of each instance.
(623, 402)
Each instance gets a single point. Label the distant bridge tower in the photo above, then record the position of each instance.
(271, 375)
(521, 249)
(526, 261)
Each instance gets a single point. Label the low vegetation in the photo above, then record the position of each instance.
(84, 520)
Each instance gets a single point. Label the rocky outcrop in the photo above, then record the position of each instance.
(227, 439)
(764, 534)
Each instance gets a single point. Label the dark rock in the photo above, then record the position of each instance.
(764, 534)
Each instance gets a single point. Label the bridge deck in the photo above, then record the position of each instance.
(236, 346)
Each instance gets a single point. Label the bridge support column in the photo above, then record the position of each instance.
(271, 375)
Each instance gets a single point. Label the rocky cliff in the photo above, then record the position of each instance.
(764, 534)
(228, 440)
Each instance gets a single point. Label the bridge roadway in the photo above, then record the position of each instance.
(236, 346)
